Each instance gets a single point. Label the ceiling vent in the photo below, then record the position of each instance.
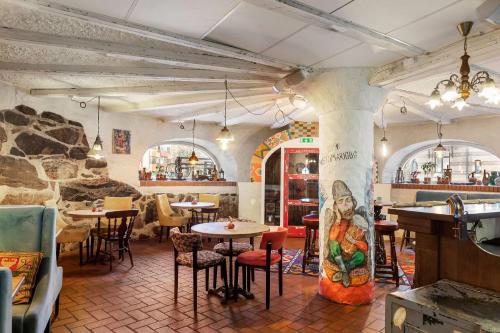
(490, 11)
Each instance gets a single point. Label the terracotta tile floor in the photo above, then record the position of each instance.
(140, 299)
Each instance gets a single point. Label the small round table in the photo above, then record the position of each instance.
(220, 230)
(189, 205)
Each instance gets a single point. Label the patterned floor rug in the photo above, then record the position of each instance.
(292, 264)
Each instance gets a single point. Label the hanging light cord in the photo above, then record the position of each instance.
(98, 114)
(194, 125)
(383, 120)
(438, 129)
(225, 105)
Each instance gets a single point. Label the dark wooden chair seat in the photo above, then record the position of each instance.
(382, 267)
(311, 222)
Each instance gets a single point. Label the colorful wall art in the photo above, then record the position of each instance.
(121, 141)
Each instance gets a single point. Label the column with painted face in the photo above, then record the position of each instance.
(345, 104)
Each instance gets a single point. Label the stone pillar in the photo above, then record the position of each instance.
(345, 104)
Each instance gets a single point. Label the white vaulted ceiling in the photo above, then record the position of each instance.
(168, 58)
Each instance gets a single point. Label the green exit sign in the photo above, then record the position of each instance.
(306, 140)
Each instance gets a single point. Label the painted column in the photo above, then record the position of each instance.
(345, 104)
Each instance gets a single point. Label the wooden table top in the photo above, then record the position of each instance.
(220, 230)
(189, 205)
(442, 213)
(17, 282)
(87, 213)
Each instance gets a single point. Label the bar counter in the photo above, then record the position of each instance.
(446, 187)
(441, 255)
(186, 183)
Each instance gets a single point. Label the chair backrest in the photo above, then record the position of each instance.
(120, 223)
(117, 203)
(184, 242)
(163, 206)
(277, 238)
(5, 300)
(213, 198)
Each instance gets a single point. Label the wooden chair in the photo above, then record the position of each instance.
(117, 231)
(209, 214)
(167, 217)
(382, 268)
(263, 258)
(188, 251)
(311, 222)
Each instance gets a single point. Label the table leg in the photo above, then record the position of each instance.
(231, 279)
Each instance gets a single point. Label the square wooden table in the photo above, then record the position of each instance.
(17, 282)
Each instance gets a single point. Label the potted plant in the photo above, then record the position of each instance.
(428, 168)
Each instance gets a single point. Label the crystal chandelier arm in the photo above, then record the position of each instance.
(454, 79)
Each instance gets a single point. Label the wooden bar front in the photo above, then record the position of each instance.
(440, 255)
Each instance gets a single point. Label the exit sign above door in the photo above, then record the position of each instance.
(306, 140)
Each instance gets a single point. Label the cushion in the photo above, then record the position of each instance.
(74, 234)
(22, 263)
(205, 259)
(184, 242)
(238, 248)
(257, 258)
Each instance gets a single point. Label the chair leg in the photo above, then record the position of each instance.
(87, 245)
(247, 287)
(161, 232)
(207, 277)
(306, 247)
(80, 251)
(224, 277)
(110, 256)
(244, 276)
(280, 277)
(98, 249)
(215, 277)
(92, 245)
(394, 258)
(56, 307)
(268, 286)
(47, 328)
(236, 269)
(253, 274)
(58, 251)
(176, 280)
(195, 289)
(168, 232)
(129, 250)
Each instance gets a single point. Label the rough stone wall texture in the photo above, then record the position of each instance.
(43, 157)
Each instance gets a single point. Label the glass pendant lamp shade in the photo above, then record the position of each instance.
(439, 150)
(435, 100)
(225, 135)
(450, 93)
(96, 151)
(459, 104)
(385, 149)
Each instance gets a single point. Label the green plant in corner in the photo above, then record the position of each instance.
(428, 167)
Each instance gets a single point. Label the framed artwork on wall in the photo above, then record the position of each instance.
(121, 141)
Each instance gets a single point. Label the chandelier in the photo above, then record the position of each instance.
(457, 88)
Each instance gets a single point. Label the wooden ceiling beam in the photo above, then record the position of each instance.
(167, 88)
(193, 100)
(151, 73)
(481, 48)
(193, 59)
(153, 33)
(314, 16)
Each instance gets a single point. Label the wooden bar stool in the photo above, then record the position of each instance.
(382, 268)
(311, 221)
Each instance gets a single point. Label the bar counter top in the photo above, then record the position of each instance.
(186, 183)
(442, 213)
(447, 187)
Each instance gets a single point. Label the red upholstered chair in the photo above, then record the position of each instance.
(263, 258)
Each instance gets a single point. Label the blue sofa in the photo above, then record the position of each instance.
(5, 300)
(442, 196)
(31, 229)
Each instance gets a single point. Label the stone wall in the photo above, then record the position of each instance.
(43, 158)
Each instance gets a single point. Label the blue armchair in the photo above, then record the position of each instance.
(32, 229)
(5, 300)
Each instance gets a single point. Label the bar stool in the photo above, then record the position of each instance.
(311, 222)
(382, 268)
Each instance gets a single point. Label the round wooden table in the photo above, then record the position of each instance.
(220, 230)
(189, 205)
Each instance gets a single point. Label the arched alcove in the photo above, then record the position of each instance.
(401, 156)
(221, 158)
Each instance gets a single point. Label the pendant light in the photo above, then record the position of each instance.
(384, 140)
(96, 151)
(440, 149)
(225, 136)
(193, 158)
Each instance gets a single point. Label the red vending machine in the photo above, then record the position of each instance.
(300, 187)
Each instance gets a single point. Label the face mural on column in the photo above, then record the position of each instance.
(345, 104)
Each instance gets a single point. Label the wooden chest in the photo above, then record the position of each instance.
(443, 307)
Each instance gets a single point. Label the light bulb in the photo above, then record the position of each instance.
(459, 104)
(450, 93)
(224, 145)
(384, 149)
(489, 90)
(435, 100)
(494, 99)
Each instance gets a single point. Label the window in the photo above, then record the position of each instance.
(161, 161)
(462, 159)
